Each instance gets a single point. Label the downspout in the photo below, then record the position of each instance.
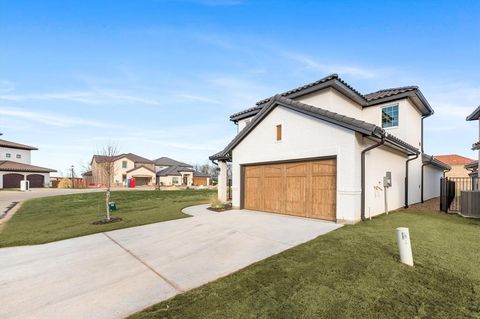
(406, 178)
(381, 142)
(423, 165)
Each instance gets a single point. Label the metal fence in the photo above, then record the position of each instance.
(451, 189)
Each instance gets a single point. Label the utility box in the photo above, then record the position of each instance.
(470, 203)
(387, 179)
(112, 206)
(24, 185)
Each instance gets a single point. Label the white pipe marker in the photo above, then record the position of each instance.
(404, 246)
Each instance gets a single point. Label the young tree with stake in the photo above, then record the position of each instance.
(109, 154)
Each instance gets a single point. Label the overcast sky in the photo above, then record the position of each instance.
(160, 78)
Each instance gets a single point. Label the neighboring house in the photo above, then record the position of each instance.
(15, 166)
(457, 163)
(172, 172)
(322, 151)
(87, 178)
(126, 166)
(201, 179)
(473, 167)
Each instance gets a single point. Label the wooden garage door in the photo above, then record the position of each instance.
(36, 180)
(306, 189)
(12, 180)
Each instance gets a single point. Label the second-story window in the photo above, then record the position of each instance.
(8, 155)
(124, 164)
(19, 156)
(390, 116)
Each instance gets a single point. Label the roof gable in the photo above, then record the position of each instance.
(334, 81)
(318, 113)
(140, 167)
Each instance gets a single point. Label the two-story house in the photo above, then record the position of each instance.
(172, 172)
(324, 150)
(15, 166)
(125, 167)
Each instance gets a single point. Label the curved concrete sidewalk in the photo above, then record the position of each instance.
(114, 274)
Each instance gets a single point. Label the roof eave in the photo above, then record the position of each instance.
(415, 96)
(235, 118)
(475, 115)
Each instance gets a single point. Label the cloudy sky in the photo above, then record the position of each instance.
(160, 78)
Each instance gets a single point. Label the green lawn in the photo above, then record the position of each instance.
(352, 273)
(54, 218)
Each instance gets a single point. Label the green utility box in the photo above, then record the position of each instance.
(112, 206)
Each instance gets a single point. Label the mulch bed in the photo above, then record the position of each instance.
(104, 221)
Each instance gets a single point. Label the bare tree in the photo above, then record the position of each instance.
(108, 154)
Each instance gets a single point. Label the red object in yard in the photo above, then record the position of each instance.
(132, 182)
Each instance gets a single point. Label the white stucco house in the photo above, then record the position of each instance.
(322, 150)
(15, 166)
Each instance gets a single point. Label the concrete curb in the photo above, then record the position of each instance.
(10, 211)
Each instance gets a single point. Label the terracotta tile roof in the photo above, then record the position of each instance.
(21, 167)
(454, 159)
(5, 143)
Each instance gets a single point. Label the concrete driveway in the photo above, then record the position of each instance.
(114, 274)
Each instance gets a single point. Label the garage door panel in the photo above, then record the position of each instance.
(253, 171)
(253, 199)
(296, 195)
(306, 189)
(274, 201)
(12, 180)
(323, 201)
(324, 167)
(296, 169)
(36, 180)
